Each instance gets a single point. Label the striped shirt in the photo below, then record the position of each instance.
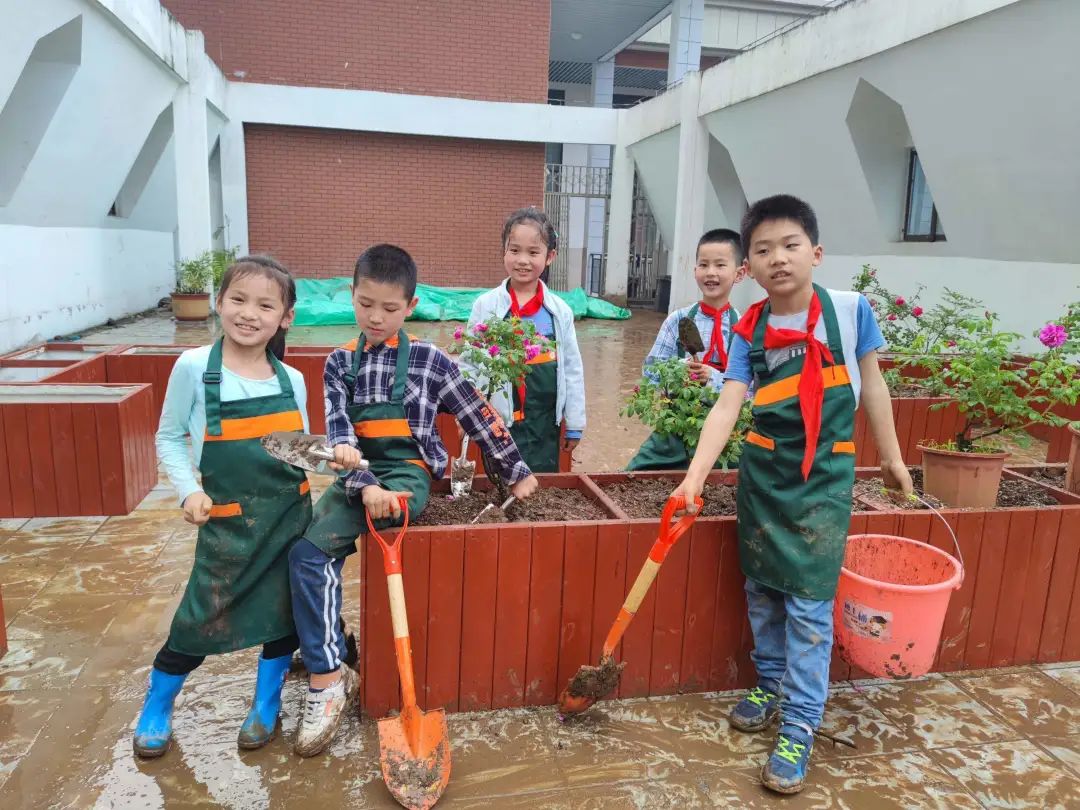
(434, 384)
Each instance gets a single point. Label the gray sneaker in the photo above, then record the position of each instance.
(322, 713)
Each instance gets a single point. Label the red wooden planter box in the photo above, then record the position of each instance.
(916, 421)
(56, 362)
(69, 450)
(503, 615)
(147, 364)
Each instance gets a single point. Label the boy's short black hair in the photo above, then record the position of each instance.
(387, 264)
(723, 236)
(779, 206)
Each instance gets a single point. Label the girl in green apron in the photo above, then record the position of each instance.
(799, 347)
(249, 507)
(553, 392)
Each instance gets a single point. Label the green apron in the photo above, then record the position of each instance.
(386, 441)
(662, 451)
(792, 532)
(534, 430)
(238, 593)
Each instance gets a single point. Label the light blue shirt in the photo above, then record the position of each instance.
(184, 413)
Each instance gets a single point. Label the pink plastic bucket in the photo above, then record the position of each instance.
(891, 603)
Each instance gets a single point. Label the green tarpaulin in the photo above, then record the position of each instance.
(328, 302)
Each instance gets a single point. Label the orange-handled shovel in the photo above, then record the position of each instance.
(592, 683)
(414, 747)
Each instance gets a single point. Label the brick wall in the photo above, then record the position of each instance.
(483, 49)
(317, 198)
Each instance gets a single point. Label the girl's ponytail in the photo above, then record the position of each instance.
(271, 269)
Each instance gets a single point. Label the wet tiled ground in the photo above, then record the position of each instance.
(88, 601)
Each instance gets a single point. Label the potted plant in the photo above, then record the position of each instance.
(996, 395)
(674, 402)
(191, 298)
(221, 260)
(495, 354)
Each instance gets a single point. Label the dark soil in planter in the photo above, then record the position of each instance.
(1051, 477)
(645, 497)
(909, 390)
(1011, 494)
(546, 505)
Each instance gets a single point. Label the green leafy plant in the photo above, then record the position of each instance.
(495, 353)
(996, 393)
(221, 260)
(674, 401)
(193, 276)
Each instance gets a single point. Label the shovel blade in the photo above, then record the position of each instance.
(589, 685)
(415, 778)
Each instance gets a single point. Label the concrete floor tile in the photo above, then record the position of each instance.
(1012, 775)
(1031, 702)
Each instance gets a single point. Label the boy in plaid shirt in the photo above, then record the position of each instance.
(383, 391)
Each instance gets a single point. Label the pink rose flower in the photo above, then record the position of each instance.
(637, 388)
(951, 344)
(458, 333)
(917, 311)
(892, 316)
(493, 351)
(1053, 335)
(531, 352)
(900, 302)
(480, 328)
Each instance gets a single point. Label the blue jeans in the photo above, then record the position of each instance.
(315, 578)
(792, 649)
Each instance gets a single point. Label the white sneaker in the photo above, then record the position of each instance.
(322, 713)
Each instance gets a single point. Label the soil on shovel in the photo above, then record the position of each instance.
(645, 497)
(545, 505)
(1011, 494)
(414, 782)
(596, 682)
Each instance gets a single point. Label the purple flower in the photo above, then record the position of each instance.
(531, 351)
(480, 328)
(458, 333)
(1053, 335)
(493, 350)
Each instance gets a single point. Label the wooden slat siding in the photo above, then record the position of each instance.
(1011, 593)
(919, 417)
(128, 447)
(934, 421)
(1037, 588)
(956, 628)
(150, 425)
(542, 685)
(939, 538)
(311, 365)
(110, 460)
(18, 442)
(730, 607)
(446, 583)
(59, 443)
(579, 575)
(478, 617)
(858, 435)
(1070, 646)
(988, 581)
(381, 693)
(637, 641)
(610, 585)
(7, 509)
(40, 461)
(1063, 585)
(511, 617)
(85, 458)
(904, 412)
(665, 677)
(416, 561)
(700, 618)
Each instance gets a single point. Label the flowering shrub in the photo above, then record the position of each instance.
(676, 403)
(995, 393)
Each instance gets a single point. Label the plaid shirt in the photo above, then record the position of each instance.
(667, 340)
(434, 383)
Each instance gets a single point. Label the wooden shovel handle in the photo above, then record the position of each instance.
(391, 551)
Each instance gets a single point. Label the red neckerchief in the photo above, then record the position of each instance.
(532, 306)
(811, 382)
(716, 342)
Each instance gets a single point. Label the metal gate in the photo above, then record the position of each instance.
(562, 184)
(647, 251)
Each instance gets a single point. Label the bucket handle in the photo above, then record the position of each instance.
(952, 534)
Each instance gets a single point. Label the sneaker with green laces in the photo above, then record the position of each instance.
(785, 770)
(757, 710)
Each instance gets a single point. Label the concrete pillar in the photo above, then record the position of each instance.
(234, 186)
(194, 221)
(620, 214)
(690, 193)
(603, 91)
(684, 53)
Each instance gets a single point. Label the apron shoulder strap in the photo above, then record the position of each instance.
(212, 385)
(401, 370)
(281, 373)
(354, 370)
(757, 345)
(832, 326)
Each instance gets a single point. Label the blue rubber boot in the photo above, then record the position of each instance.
(154, 730)
(261, 724)
(785, 770)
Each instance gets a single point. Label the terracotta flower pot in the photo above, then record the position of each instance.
(962, 479)
(193, 307)
(1072, 471)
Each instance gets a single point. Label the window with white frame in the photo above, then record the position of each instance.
(921, 220)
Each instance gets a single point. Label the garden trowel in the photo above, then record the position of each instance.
(690, 337)
(301, 450)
